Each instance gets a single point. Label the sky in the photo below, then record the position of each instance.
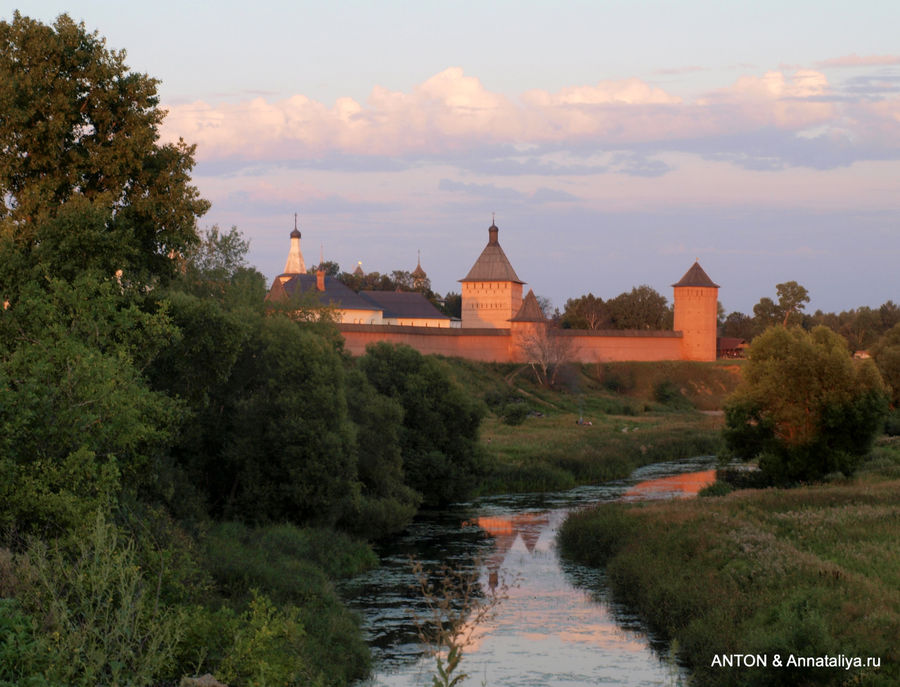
(616, 142)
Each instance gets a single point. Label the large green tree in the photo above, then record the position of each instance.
(792, 299)
(78, 125)
(92, 210)
(641, 308)
(439, 437)
(585, 312)
(804, 407)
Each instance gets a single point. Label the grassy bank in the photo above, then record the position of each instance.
(812, 571)
(598, 423)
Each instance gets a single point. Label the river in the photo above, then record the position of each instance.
(553, 628)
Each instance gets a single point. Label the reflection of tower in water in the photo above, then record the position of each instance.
(505, 530)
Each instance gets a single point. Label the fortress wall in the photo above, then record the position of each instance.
(496, 345)
(613, 346)
(487, 345)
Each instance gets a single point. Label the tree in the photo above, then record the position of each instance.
(78, 423)
(792, 299)
(78, 126)
(739, 326)
(92, 211)
(330, 267)
(288, 443)
(641, 308)
(887, 356)
(452, 304)
(585, 312)
(546, 350)
(805, 408)
(439, 438)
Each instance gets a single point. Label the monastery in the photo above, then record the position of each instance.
(498, 324)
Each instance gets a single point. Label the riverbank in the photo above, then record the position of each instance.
(598, 423)
(794, 573)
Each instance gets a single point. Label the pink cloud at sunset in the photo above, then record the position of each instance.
(855, 60)
(452, 112)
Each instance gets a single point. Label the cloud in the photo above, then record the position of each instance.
(453, 118)
(855, 60)
(675, 71)
(500, 193)
(637, 165)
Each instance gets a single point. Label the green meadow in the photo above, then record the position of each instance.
(600, 422)
(809, 572)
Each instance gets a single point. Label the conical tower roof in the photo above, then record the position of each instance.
(696, 277)
(419, 273)
(492, 264)
(530, 310)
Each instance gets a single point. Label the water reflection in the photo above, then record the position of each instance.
(551, 630)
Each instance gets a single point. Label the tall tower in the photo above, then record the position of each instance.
(491, 291)
(696, 314)
(418, 275)
(295, 264)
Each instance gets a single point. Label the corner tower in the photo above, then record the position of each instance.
(696, 314)
(491, 291)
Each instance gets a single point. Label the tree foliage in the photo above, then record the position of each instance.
(640, 308)
(804, 407)
(77, 125)
(887, 356)
(439, 437)
(586, 312)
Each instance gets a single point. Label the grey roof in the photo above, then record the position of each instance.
(696, 277)
(336, 292)
(492, 264)
(530, 310)
(403, 304)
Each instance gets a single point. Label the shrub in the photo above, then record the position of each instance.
(23, 650)
(106, 626)
(515, 413)
(717, 488)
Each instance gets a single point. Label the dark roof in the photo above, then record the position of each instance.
(530, 310)
(336, 292)
(696, 277)
(730, 342)
(492, 264)
(403, 304)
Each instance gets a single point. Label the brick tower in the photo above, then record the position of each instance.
(696, 314)
(491, 291)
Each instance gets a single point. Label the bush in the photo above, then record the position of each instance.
(23, 650)
(892, 423)
(668, 393)
(293, 567)
(107, 626)
(717, 488)
(515, 413)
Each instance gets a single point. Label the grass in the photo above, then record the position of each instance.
(812, 571)
(632, 414)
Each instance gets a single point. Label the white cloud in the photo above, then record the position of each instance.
(451, 113)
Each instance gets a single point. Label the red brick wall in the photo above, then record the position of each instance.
(497, 345)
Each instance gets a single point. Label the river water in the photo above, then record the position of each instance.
(553, 628)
